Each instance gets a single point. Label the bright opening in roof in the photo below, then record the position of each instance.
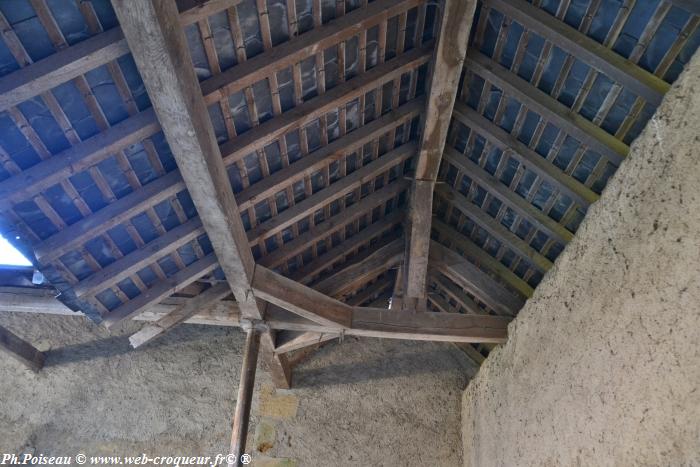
(10, 256)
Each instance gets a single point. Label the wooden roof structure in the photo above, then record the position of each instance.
(314, 168)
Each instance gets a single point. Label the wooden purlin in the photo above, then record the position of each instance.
(72, 62)
(643, 83)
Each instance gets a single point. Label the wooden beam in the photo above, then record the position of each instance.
(192, 11)
(20, 350)
(162, 56)
(140, 258)
(494, 228)
(160, 50)
(308, 112)
(328, 227)
(416, 262)
(357, 273)
(412, 325)
(299, 299)
(241, 415)
(482, 258)
(476, 282)
(35, 300)
(360, 270)
(108, 217)
(86, 55)
(650, 87)
(300, 340)
(457, 18)
(469, 351)
(333, 192)
(381, 285)
(303, 46)
(172, 183)
(60, 67)
(551, 109)
(78, 158)
(326, 260)
(457, 294)
(325, 155)
(430, 326)
(280, 319)
(179, 315)
(691, 6)
(161, 290)
(530, 160)
(522, 207)
(440, 303)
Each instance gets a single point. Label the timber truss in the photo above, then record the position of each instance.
(308, 169)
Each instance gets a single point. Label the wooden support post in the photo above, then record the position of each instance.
(241, 416)
(21, 350)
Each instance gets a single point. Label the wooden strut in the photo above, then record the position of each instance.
(241, 415)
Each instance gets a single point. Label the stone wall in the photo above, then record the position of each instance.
(602, 366)
(360, 402)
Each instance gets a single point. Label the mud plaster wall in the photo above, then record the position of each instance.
(602, 366)
(361, 402)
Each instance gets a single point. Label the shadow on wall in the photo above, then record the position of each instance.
(119, 345)
(415, 363)
(410, 364)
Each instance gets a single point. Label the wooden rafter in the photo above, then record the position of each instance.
(478, 283)
(530, 159)
(301, 47)
(456, 293)
(334, 224)
(485, 260)
(457, 18)
(160, 50)
(352, 276)
(523, 208)
(180, 314)
(296, 340)
(573, 123)
(494, 228)
(87, 55)
(306, 273)
(640, 81)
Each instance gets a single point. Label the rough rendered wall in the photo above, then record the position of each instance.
(602, 366)
(361, 402)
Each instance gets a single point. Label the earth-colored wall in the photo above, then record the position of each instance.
(602, 366)
(360, 402)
